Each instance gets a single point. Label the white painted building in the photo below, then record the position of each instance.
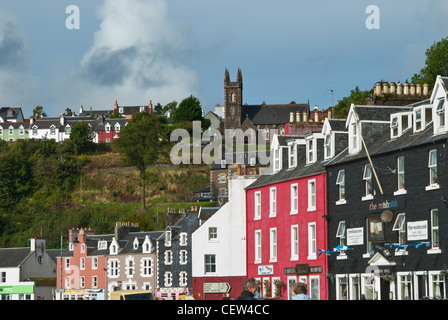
(219, 245)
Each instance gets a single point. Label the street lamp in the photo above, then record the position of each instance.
(75, 241)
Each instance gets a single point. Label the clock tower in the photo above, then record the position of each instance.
(233, 100)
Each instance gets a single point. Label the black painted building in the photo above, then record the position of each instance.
(387, 203)
(174, 265)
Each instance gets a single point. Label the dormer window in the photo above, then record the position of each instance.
(107, 128)
(117, 127)
(21, 130)
(147, 246)
(310, 151)
(394, 127)
(440, 112)
(135, 244)
(327, 147)
(277, 160)
(418, 120)
(168, 238)
(68, 129)
(354, 146)
(102, 245)
(10, 113)
(292, 159)
(52, 130)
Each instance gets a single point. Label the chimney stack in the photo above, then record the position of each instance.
(425, 89)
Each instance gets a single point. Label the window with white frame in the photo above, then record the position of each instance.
(210, 263)
(273, 245)
(113, 268)
(130, 266)
(168, 257)
(82, 282)
(212, 234)
(146, 265)
(67, 282)
(311, 195)
(83, 248)
(340, 233)
(400, 174)
(294, 198)
(183, 257)
(435, 228)
(440, 112)
(310, 154)
(67, 263)
(107, 128)
(394, 127)
(272, 202)
(183, 239)
(34, 131)
(257, 211)
(222, 178)
(21, 130)
(437, 285)
(327, 147)
(354, 141)
(168, 279)
(11, 130)
(312, 245)
(399, 226)
(368, 181)
(168, 238)
(117, 127)
(340, 182)
(314, 288)
(82, 263)
(292, 160)
(418, 120)
(183, 279)
(277, 159)
(294, 242)
(432, 165)
(94, 282)
(257, 244)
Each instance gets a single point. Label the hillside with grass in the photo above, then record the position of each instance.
(99, 191)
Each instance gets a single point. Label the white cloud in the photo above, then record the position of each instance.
(136, 56)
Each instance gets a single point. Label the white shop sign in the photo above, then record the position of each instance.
(418, 230)
(355, 236)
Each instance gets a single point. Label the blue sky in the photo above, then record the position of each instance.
(134, 51)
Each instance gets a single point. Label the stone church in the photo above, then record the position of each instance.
(258, 117)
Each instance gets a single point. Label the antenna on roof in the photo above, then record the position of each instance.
(332, 93)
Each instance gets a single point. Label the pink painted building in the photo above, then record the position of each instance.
(286, 219)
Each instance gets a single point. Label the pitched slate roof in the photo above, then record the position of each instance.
(13, 257)
(272, 114)
(302, 170)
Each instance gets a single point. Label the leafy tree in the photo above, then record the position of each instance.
(143, 142)
(171, 107)
(189, 110)
(436, 63)
(116, 115)
(38, 112)
(356, 96)
(81, 137)
(158, 109)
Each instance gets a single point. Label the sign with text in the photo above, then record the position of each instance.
(355, 236)
(265, 270)
(418, 230)
(216, 287)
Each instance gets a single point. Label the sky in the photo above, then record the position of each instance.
(136, 51)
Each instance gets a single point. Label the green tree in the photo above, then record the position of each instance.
(38, 112)
(143, 142)
(189, 110)
(356, 96)
(158, 109)
(436, 63)
(81, 137)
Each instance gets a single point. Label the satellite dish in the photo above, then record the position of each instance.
(387, 216)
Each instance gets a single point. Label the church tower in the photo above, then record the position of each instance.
(233, 100)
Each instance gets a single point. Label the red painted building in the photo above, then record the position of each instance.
(285, 216)
(83, 269)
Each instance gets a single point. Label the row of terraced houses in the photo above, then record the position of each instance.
(13, 125)
(355, 208)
